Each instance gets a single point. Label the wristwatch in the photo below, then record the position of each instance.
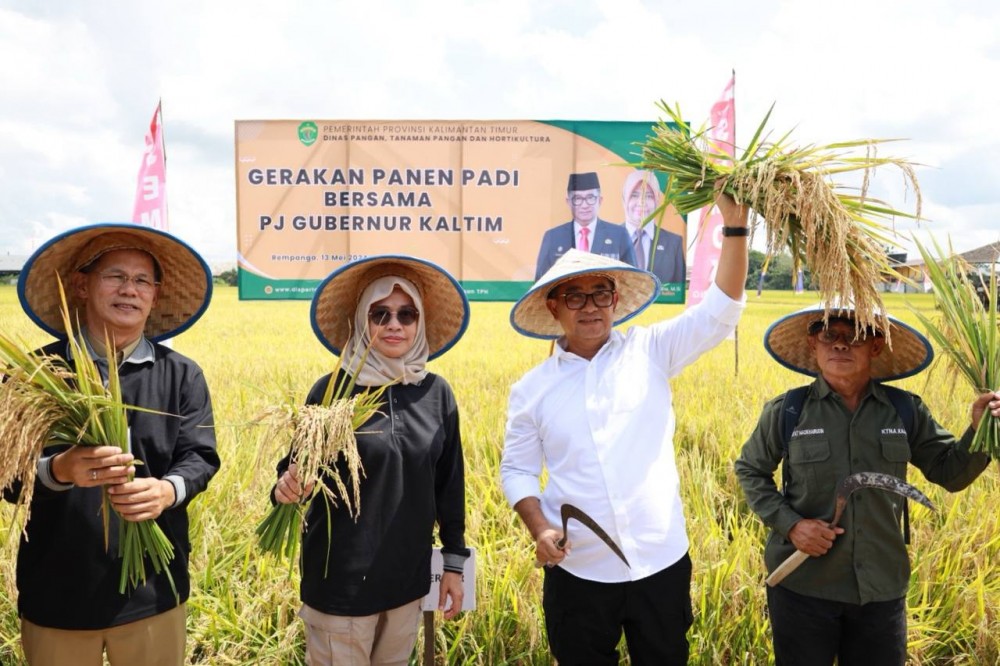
(735, 231)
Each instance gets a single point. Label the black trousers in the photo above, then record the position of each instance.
(584, 620)
(811, 632)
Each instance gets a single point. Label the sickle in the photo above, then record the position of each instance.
(854, 482)
(568, 511)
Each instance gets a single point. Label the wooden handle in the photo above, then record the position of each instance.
(788, 566)
(560, 544)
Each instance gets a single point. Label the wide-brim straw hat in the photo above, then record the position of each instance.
(183, 296)
(445, 308)
(636, 288)
(786, 341)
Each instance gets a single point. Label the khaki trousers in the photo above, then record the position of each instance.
(383, 639)
(153, 641)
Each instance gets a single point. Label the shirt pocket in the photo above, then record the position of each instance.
(895, 453)
(806, 459)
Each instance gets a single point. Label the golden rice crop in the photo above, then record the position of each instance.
(54, 404)
(839, 233)
(242, 608)
(317, 437)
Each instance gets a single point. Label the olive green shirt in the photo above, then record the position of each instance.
(868, 562)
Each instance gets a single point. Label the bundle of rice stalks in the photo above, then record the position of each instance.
(53, 404)
(317, 437)
(838, 232)
(966, 331)
(29, 414)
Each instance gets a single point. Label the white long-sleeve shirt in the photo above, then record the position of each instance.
(604, 430)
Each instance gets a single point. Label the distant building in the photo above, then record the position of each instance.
(10, 264)
(980, 259)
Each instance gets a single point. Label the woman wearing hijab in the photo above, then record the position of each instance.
(663, 254)
(362, 586)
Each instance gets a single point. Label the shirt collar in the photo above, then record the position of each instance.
(823, 390)
(562, 356)
(142, 353)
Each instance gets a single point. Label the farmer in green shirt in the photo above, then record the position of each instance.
(847, 601)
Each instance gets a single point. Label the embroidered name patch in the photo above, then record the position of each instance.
(804, 433)
(893, 431)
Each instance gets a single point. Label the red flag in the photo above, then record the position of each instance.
(151, 191)
(706, 253)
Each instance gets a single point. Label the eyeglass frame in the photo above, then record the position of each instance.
(117, 279)
(580, 199)
(818, 328)
(589, 295)
(381, 315)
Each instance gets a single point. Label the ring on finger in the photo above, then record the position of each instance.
(93, 475)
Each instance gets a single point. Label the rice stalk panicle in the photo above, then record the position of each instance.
(321, 441)
(840, 233)
(46, 403)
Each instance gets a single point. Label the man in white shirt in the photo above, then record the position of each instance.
(597, 415)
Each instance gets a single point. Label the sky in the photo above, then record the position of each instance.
(80, 80)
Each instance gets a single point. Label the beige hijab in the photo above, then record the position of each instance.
(378, 369)
(637, 179)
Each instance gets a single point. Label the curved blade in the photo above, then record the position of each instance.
(568, 511)
(888, 482)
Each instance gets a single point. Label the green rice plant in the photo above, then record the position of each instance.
(839, 233)
(242, 608)
(965, 329)
(318, 436)
(55, 404)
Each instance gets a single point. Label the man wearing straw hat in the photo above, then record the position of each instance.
(128, 286)
(848, 601)
(586, 231)
(597, 416)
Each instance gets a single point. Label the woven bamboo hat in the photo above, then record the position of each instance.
(183, 296)
(446, 308)
(636, 290)
(786, 341)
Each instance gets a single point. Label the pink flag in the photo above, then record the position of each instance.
(151, 191)
(706, 253)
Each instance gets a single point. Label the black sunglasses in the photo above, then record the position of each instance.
(380, 316)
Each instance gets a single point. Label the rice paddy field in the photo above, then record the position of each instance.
(243, 605)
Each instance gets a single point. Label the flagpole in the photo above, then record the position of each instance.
(163, 148)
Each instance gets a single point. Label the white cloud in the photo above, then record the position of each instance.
(81, 83)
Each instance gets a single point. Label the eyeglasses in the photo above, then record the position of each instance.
(578, 200)
(829, 337)
(577, 300)
(381, 316)
(144, 284)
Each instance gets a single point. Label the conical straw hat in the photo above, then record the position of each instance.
(786, 341)
(183, 296)
(336, 299)
(636, 290)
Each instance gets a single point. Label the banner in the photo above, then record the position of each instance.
(151, 191)
(722, 133)
(486, 200)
